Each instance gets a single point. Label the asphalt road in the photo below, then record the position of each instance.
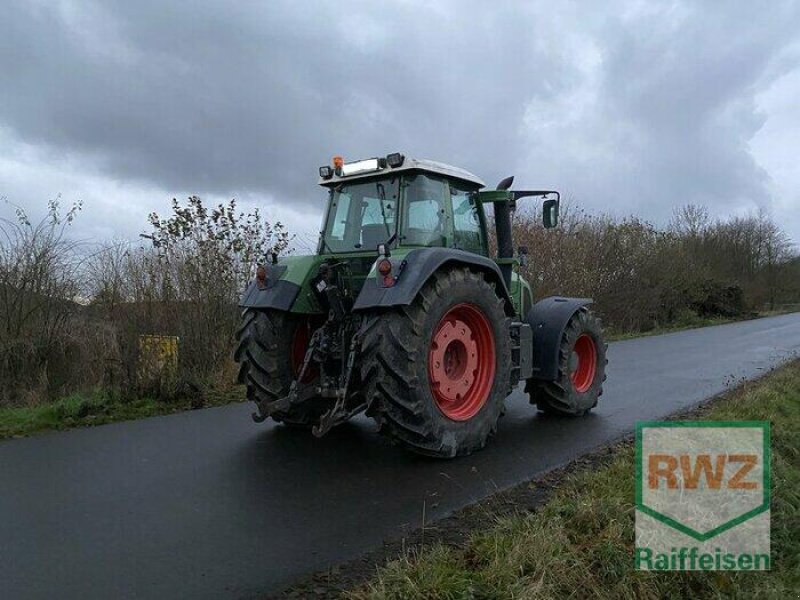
(208, 504)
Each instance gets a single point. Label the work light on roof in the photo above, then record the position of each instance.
(360, 166)
(395, 159)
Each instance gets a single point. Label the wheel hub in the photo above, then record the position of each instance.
(455, 360)
(461, 362)
(583, 363)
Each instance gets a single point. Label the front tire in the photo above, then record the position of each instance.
(436, 372)
(270, 345)
(581, 369)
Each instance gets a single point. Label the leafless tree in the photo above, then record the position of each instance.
(39, 290)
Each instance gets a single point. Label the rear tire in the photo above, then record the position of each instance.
(436, 372)
(581, 369)
(267, 353)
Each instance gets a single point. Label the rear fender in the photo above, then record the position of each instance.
(277, 293)
(413, 271)
(283, 285)
(548, 319)
(280, 296)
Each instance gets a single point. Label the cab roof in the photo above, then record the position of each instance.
(410, 164)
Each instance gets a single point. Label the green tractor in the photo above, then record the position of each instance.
(403, 315)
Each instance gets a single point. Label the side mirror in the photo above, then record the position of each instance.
(550, 213)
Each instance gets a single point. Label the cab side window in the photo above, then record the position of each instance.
(466, 221)
(423, 214)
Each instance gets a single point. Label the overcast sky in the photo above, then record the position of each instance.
(629, 107)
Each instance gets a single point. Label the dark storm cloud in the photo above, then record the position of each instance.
(223, 98)
(667, 114)
(649, 104)
(687, 83)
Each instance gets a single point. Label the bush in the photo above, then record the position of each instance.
(45, 346)
(720, 300)
(71, 317)
(186, 285)
(642, 277)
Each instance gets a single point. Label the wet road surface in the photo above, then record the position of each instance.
(207, 504)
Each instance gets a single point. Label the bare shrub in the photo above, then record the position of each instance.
(643, 277)
(40, 349)
(186, 283)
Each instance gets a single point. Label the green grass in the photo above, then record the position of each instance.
(97, 408)
(580, 543)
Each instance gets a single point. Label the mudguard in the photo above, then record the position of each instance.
(417, 267)
(278, 293)
(548, 318)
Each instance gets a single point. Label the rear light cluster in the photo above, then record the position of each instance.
(385, 271)
(261, 277)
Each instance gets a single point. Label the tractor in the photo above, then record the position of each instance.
(402, 314)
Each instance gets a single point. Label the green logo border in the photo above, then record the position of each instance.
(697, 535)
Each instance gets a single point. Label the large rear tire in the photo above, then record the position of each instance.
(270, 352)
(581, 369)
(436, 372)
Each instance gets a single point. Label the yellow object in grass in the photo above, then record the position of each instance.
(158, 358)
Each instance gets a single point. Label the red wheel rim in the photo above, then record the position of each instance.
(461, 362)
(583, 363)
(300, 340)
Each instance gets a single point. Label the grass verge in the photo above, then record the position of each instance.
(580, 542)
(98, 408)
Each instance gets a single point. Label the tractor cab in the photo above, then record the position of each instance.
(401, 202)
(398, 205)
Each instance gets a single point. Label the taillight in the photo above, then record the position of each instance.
(261, 277)
(385, 271)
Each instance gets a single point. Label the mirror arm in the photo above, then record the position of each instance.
(525, 193)
(502, 196)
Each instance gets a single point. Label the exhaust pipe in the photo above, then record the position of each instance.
(502, 221)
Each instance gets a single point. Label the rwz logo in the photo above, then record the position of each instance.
(704, 483)
(662, 467)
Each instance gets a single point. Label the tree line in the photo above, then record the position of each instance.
(643, 277)
(72, 314)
